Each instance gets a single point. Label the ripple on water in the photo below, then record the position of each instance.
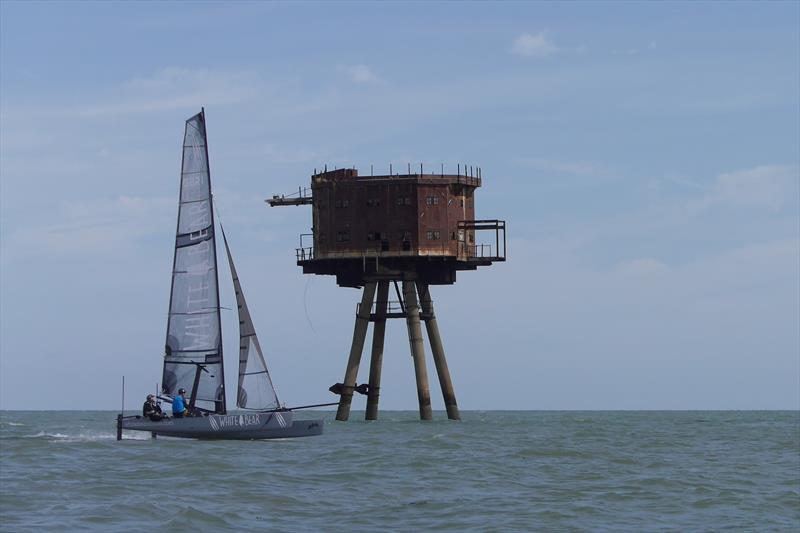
(518, 471)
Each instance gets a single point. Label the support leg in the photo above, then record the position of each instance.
(376, 360)
(359, 334)
(438, 353)
(417, 349)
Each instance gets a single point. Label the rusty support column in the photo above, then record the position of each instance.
(376, 360)
(437, 348)
(359, 334)
(417, 349)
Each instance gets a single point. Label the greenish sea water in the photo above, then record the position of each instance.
(493, 471)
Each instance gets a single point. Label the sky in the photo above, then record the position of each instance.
(644, 156)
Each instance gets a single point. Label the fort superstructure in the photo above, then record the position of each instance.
(411, 230)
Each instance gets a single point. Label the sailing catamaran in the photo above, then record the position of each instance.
(193, 352)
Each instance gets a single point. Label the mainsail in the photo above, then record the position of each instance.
(193, 351)
(256, 390)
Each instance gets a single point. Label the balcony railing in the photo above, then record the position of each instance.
(482, 251)
(305, 254)
(465, 247)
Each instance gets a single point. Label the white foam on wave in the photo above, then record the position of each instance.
(15, 424)
(84, 437)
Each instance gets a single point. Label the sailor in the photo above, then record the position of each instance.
(151, 409)
(179, 404)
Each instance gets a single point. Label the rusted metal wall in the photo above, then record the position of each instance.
(405, 215)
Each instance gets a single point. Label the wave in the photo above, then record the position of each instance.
(83, 437)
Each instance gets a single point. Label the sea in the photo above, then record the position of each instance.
(491, 471)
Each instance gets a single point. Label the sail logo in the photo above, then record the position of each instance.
(281, 421)
(218, 423)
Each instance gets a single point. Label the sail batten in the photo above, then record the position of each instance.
(255, 388)
(194, 333)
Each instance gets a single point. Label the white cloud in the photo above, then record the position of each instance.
(765, 186)
(642, 267)
(536, 45)
(361, 74)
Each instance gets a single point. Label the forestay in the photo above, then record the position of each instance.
(256, 390)
(193, 352)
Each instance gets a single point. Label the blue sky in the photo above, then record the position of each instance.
(644, 155)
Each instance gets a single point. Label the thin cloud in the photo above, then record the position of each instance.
(173, 88)
(534, 45)
(572, 168)
(361, 74)
(96, 226)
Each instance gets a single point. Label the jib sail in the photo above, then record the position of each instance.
(255, 390)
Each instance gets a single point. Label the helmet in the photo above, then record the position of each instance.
(150, 396)
(181, 391)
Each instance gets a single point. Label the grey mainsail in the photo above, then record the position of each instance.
(255, 390)
(193, 351)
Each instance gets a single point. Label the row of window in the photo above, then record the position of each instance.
(431, 235)
(376, 202)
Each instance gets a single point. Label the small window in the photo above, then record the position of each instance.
(343, 236)
(433, 235)
(342, 202)
(373, 202)
(432, 200)
(402, 200)
(462, 202)
(405, 236)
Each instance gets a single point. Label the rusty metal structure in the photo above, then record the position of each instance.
(409, 230)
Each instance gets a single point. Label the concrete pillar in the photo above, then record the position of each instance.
(376, 360)
(417, 349)
(359, 334)
(438, 352)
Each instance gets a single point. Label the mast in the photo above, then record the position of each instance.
(216, 277)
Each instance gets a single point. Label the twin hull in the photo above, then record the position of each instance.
(243, 426)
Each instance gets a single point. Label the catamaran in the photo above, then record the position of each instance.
(193, 352)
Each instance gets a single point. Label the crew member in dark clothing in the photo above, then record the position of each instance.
(151, 409)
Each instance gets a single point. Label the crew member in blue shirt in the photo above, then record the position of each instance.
(179, 404)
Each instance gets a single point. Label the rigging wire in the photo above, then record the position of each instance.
(305, 305)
